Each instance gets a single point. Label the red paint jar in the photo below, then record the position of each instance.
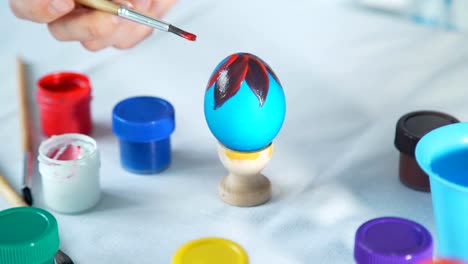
(64, 103)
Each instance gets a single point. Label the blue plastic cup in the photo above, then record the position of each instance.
(443, 155)
(144, 125)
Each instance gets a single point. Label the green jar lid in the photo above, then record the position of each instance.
(28, 235)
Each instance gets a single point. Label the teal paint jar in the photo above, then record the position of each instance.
(28, 235)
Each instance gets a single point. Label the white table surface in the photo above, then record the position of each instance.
(348, 76)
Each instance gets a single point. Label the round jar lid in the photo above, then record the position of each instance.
(143, 119)
(28, 235)
(413, 126)
(210, 251)
(392, 240)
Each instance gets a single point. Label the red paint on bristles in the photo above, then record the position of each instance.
(182, 33)
(189, 36)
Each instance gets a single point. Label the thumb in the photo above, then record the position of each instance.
(42, 11)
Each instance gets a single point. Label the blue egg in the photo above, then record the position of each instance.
(244, 104)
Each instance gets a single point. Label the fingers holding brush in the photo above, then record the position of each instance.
(138, 34)
(42, 11)
(98, 24)
(97, 30)
(153, 8)
(127, 34)
(84, 24)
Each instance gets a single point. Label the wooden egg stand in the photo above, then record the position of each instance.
(247, 123)
(245, 186)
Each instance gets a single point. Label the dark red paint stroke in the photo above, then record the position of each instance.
(235, 74)
(221, 68)
(257, 79)
(268, 68)
(240, 67)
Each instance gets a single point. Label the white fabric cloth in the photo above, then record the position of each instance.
(348, 76)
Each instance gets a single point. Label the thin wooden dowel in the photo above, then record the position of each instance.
(9, 194)
(23, 106)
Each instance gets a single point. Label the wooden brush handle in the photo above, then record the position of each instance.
(102, 5)
(23, 106)
(10, 195)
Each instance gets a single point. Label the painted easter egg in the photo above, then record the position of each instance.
(245, 104)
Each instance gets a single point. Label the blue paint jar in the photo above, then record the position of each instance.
(143, 125)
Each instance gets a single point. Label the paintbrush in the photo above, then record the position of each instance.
(15, 200)
(121, 11)
(25, 132)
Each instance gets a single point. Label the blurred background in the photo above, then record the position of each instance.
(444, 14)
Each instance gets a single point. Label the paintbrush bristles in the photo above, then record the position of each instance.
(23, 105)
(133, 15)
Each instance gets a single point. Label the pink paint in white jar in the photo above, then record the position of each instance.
(69, 165)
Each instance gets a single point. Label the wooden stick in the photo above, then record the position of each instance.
(10, 195)
(25, 131)
(24, 106)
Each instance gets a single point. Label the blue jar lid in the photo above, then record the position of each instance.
(143, 119)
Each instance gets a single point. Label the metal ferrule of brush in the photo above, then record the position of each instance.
(142, 19)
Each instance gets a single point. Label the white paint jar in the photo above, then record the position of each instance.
(69, 165)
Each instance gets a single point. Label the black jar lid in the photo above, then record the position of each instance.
(413, 126)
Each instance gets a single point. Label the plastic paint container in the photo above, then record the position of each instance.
(210, 251)
(144, 125)
(64, 103)
(392, 240)
(443, 155)
(69, 165)
(410, 129)
(28, 235)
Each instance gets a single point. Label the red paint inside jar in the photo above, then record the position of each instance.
(63, 85)
(64, 103)
(69, 152)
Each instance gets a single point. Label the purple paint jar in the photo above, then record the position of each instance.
(392, 240)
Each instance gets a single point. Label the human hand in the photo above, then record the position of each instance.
(68, 21)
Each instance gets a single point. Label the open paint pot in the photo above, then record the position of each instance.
(443, 155)
(69, 165)
(64, 103)
(144, 125)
